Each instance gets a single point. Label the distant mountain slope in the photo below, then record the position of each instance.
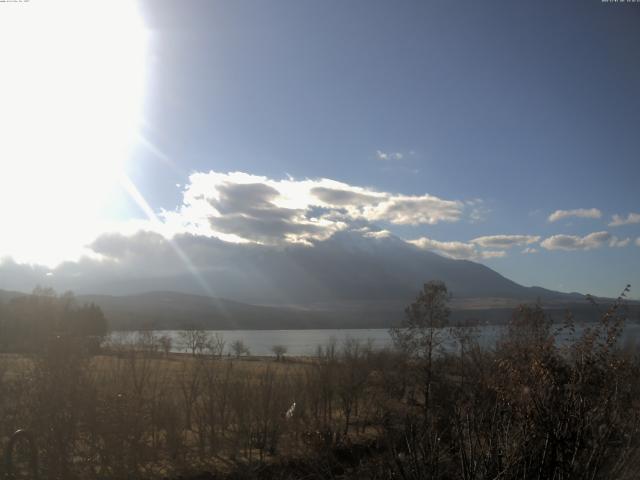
(346, 281)
(174, 310)
(6, 295)
(346, 267)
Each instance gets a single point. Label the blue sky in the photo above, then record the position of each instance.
(529, 106)
(514, 109)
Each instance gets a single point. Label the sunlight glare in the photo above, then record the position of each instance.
(73, 78)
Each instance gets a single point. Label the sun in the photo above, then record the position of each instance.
(72, 86)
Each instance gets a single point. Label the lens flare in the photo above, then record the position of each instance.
(73, 81)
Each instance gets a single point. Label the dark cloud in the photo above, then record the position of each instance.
(269, 228)
(239, 206)
(250, 198)
(249, 211)
(333, 196)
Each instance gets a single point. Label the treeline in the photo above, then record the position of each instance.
(29, 322)
(527, 408)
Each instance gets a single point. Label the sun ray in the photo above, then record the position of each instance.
(139, 199)
(71, 102)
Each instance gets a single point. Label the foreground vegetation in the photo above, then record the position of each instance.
(528, 408)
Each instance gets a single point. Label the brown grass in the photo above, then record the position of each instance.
(526, 409)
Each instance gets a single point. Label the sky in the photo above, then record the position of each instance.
(500, 132)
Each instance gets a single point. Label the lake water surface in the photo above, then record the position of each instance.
(306, 342)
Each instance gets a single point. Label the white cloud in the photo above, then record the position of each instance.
(618, 220)
(505, 241)
(619, 242)
(638, 241)
(579, 212)
(493, 254)
(457, 250)
(380, 155)
(338, 197)
(414, 210)
(378, 234)
(242, 207)
(572, 242)
(490, 246)
(479, 211)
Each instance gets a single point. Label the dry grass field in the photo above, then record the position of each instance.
(528, 408)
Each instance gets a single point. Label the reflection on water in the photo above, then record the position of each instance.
(306, 342)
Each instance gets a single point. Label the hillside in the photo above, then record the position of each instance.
(345, 268)
(347, 281)
(174, 310)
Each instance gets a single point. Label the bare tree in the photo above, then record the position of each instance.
(216, 344)
(195, 341)
(352, 378)
(421, 332)
(239, 348)
(166, 343)
(147, 342)
(279, 351)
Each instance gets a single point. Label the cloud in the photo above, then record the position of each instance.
(380, 155)
(248, 211)
(474, 249)
(579, 212)
(572, 242)
(415, 210)
(618, 220)
(505, 241)
(246, 198)
(479, 212)
(493, 254)
(241, 207)
(119, 246)
(588, 242)
(378, 234)
(338, 197)
(350, 265)
(619, 242)
(456, 250)
(638, 241)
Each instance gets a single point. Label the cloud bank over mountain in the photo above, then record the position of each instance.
(349, 266)
(248, 208)
(305, 237)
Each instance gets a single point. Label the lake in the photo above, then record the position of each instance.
(306, 342)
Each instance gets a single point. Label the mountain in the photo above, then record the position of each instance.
(173, 310)
(345, 268)
(6, 295)
(347, 281)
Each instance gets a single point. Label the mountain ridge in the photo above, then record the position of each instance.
(347, 281)
(162, 310)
